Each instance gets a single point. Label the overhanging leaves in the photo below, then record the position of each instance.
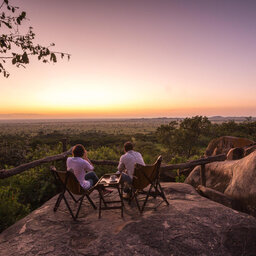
(22, 44)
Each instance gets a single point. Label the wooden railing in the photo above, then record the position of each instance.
(182, 166)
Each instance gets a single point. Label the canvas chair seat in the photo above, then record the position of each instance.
(147, 176)
(71, 185)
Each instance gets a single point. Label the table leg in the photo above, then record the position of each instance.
(120, 191)
(100, 205)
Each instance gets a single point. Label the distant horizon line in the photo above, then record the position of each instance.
(122, 118)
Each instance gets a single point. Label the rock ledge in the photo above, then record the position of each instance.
(190, 225)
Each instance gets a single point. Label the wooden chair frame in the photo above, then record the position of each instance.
(63, 178)
(153, 179)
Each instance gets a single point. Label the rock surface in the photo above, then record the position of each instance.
(238, 153)
(223, 144)
(234, 178)
(190, 225)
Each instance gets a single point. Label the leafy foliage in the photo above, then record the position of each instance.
(180, 178)
(18, 47)
(104, 153)
(10, 208)
(184, 137)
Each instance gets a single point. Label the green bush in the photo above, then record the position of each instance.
(104, 153)
(22, 193)
(11, 210)
(180, 178)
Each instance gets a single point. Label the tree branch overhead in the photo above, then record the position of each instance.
(17, 47)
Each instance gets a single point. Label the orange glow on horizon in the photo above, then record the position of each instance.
(119, 112)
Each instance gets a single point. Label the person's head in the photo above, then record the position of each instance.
(128, 146)
(78, 150)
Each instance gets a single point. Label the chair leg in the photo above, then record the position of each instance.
(163, 194)
(57, 204)
(148, 194)
(73, 196)
(137, 201)
(79, 207)
(74, 218)
(91, 202)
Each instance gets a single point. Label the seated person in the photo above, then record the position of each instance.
(127, 162)
(83, 168)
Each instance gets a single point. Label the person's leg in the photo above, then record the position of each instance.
(91, 182)
(93, 179)
(91, 176)
(126, 178)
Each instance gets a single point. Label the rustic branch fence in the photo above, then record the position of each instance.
(61, 157)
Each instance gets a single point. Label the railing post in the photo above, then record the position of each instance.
(64, 145)
(64, 149)
(178, 174)
(202, 175)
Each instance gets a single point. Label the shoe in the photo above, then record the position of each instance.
(126, 196)
(127, 189)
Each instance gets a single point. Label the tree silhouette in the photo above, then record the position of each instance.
(19, 47)
(184, 138)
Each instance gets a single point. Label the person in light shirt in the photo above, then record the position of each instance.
(127, 162)
(83, 168)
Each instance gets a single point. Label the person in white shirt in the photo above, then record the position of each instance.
(83, 168)
(127, 162)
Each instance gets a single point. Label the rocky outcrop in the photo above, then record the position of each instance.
(238, 153)
(190, 225)
(235, 154)
(234, 178)
(216, 196)
(249, 149)
(223, 144)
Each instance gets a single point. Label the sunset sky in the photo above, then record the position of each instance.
(137, 58)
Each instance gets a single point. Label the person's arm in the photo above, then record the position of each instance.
(68, 163)
(88, 160)
(88, 166)
(121, 166)
(142, 159)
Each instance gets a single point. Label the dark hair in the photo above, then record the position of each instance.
(78, 150)
(128, 146)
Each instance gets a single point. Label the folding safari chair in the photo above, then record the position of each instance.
(71, 185)
(143, 177)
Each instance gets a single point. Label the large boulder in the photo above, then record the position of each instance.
(190, 225)
(234, 178)
(223, 144)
